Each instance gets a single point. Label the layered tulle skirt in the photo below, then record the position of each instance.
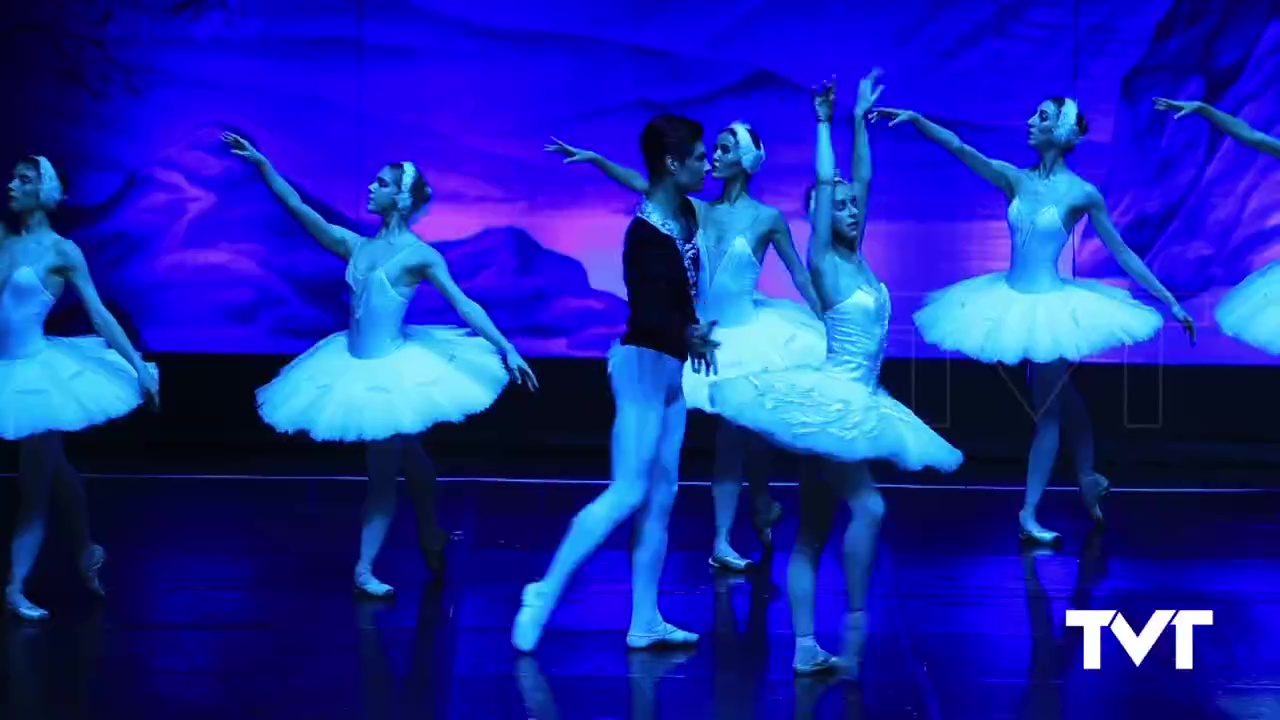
(72, 383)
(782, 334)
(986, 319)
(439, 374)
(828, 411)
(1250, 312)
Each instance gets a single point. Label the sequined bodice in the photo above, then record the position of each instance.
(24, 306)
(1038, 239)
(729, 286)
(857, 333)
(377, 313)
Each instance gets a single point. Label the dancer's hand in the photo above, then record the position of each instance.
(521, 373)
(1184, 107)
(702, 349)
(824, 100)
(893, 115)
(241, 147)
(1188, 325)
(571, 154)
(868, 92)
(150, 386)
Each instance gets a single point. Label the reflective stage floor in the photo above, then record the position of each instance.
(231, 598)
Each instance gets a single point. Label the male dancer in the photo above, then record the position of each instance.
(661, 269)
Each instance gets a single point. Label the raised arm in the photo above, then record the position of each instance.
(868, 93)
(780, 238)
(1129, 261)
(1231, 125)
(336, 239)
(997, 172)
(431, 266)
(624, 176)
(824, 161)
(73, 267)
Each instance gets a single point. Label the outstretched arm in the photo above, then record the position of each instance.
(868, 93)
(1129, 261)
(433, 268)
(336, 239)
(1229, 124)
(780, 238)
(824, 161)
(76, 270)
(997, 172)
(624, 176)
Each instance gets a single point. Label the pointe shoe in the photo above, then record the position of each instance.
(664, 635)
(726, 558)
(1030, 530)
(24, 609)
(1093, 488)
(536, 605)
(813, 660)
(90, 566)
(369, 585)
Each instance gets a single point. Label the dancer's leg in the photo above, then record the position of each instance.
(852, 482)
(637, 426)
(69, 499)
(383, 460)
(758, 464)
(817, 513)
(1047, 382)
(650, 549)
(1079, 427)
(420, 479)
(726, 485)
(37, 458)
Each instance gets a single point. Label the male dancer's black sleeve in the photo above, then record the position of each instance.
(658, 293)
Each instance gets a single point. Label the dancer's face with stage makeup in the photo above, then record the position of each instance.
(24, 189)
(727, 161)
(690, 175)
(1040, 127)
(844, 211)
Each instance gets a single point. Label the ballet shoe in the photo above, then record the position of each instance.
(810, 659)
(536, 605)
(1032, 531)
(663, 635)
(90, 566)
(22, 608)
(367, 584)
(726, 558)
(1093, 488)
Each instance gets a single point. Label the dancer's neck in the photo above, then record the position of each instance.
(34, 223)
(666, 198)
(393, 225)
(735, 189)
(1052, 162)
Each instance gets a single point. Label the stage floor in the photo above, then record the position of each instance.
(231, 599)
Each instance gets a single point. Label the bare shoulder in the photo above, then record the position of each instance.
(66, 251)
(423, 255)
(1089, 195)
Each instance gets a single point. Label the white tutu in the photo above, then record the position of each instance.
(986, 319)
(1250, 312)
(822, 411)
(783, 334)
(71, 384)
(439, 374)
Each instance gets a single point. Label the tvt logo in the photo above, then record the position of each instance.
(1138, 645)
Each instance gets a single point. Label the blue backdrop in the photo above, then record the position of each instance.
(129, 100)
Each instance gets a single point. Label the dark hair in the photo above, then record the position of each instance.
(1082, 124)
(668, 136)
(419, 191)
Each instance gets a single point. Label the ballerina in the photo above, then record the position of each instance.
(53, 385)
(1031, 313)
(756, 333)
(837, 409)
(382, 382)
(1249, 312)
(660, 266)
